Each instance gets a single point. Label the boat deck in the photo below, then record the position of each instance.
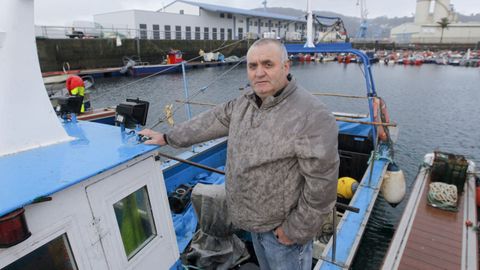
(431, 238)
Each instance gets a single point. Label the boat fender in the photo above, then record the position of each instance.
(346, 187)
(380, 114)
(393, 186)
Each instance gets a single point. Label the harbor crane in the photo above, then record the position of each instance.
(362, 31)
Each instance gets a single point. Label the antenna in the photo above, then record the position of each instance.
(309, 42)
(264, 3)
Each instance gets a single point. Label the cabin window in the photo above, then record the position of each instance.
(54, 255)
(182, 11)
(135, 220)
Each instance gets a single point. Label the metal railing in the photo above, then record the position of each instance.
(62, 32)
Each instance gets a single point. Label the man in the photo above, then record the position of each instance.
(282, 158)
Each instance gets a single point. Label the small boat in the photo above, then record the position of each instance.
(438, 234)
(145, 70)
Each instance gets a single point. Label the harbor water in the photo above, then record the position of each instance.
(435, 107)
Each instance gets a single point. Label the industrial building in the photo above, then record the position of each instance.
(186, 20)
(427, 29)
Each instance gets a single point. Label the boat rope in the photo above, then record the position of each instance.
(338, 95)
(199, 91)
(341, 118)
(169, 68)
(443, 196)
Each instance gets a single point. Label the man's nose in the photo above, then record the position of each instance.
(259, 72)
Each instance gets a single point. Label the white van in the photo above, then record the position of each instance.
(84, 29)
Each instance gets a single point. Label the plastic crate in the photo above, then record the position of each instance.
(449, 168)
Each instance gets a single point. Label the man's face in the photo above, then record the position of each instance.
(266, 72)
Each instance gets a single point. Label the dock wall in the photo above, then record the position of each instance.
(101, 53)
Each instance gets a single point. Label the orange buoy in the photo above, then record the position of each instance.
(380, 114)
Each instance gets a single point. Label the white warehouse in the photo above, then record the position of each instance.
(199, 21)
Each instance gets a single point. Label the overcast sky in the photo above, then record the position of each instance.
(62, 12)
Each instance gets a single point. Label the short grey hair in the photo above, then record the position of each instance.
(266, 41)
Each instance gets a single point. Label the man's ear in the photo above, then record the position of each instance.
(287, 66)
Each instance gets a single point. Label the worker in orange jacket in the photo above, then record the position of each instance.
(76, 87)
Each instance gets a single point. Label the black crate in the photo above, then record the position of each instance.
(449, 168)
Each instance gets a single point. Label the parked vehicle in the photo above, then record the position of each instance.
(84, 29)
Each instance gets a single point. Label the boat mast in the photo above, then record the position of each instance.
(27, 118)
(309, 43)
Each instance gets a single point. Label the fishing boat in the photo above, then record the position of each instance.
(82, 195)
(436, 233)
(357, 142)
(145, 70)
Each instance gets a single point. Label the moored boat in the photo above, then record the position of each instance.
(436, 230)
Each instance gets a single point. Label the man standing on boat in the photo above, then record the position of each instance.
(282, 158)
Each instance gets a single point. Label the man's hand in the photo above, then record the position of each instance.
(155, 137)
(282, 237)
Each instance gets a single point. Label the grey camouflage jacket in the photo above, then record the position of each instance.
(282, 159)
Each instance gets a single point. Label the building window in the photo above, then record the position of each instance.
(178, 32)
(156, 31)
(222, 33)
(135, 221)
(240, 33)
(263, 24)
(197, 33)
(229, 34)
(143, 31)
(168, 34)
(214, 33)
(229, 15)
(182, 11)
(250, 23)
(222, 15)
(205, 33)
(188, 32)
(55, 255)
(255, 23)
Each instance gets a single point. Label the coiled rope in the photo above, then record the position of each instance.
(443, 196)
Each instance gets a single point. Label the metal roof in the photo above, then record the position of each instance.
(253, 13)
(29, 175)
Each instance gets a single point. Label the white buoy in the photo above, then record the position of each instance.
(393, 187)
